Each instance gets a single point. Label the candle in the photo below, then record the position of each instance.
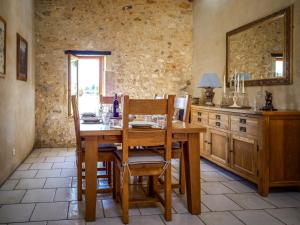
(234, 77)
(243, 90)
(224, 84)
(238, 84)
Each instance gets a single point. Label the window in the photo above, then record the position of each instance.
(86, 79)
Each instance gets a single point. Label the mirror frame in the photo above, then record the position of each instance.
(288, 70)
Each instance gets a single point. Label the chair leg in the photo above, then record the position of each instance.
(152, 185)
(109, 173)
(168, 194)
(79, 178)
(181, 175)
(115, 183)
(125, 197)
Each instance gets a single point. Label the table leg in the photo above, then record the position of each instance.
(91, 159)
(192, 173)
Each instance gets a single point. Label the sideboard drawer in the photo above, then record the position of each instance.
(244, 125)
(200, 117)
(219, 120)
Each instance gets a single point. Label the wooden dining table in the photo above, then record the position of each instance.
(95, 134)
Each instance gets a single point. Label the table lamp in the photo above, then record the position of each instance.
(209, 81)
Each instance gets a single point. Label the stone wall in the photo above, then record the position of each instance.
(150, 41)
(16, 97)
(211, 21)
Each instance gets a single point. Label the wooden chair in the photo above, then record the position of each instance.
(182, 106)
(108, 99)
(105, 154)
(144, 162)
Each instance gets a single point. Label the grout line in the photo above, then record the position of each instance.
(230, 212)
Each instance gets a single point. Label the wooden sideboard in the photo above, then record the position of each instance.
(263, 147)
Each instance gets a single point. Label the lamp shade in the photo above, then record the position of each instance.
(210, 80)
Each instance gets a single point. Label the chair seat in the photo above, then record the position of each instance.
(101, 147)
(141, 157)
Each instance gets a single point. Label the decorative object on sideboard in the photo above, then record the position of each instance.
(268, 105)
(209, 81)
(237, 96)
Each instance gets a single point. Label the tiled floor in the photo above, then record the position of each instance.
(42, 191)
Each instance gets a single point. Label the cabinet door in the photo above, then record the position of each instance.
(219, 143)
(244, 155)
(205, 147)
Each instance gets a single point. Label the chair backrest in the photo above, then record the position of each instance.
(76, 121)
(184, 104)
(108, 99)
(148, 136)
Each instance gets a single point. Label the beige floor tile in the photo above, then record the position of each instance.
(64, 165)
(31, 159)
(65, 194)
(9, 185)
(240, 186)
(146, 220)
(55, 159)
(57, 182)
(220, 218)
(256, 217)
(67, 222)
(49, 153)
(219, 203)
(68, 173)
(179, 204)
(39, 195)
(215, 188)
(204, 208)
(229, 175)
(24, 166)
(77, 210)
(212, 176)
(30, 223)
(41, 166)
(50, 211)
(207, 168)
(70, 159)
(250, 201)
(11, 197)
(105, 221)
(295, 195)
(282, 200)
(113, 209)
(23, 174)
(15, 213)
(290, 216)
(184, 219)
(31, 183)
(48, 173)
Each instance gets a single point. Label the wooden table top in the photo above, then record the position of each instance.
(102, 129)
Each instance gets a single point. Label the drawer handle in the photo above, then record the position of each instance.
(243, 129)
(243, 121)
(199, 119)
(199, 113)
(218, 117)
(218, 124)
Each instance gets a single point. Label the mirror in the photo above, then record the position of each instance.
(262, 50)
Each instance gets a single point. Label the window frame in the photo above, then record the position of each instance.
(102, 61)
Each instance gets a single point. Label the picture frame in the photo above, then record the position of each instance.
(22, 58)
(2, 47)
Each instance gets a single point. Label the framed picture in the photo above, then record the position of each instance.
(22, 58)
(2, 47)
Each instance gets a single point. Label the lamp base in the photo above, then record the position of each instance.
(209, 96)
